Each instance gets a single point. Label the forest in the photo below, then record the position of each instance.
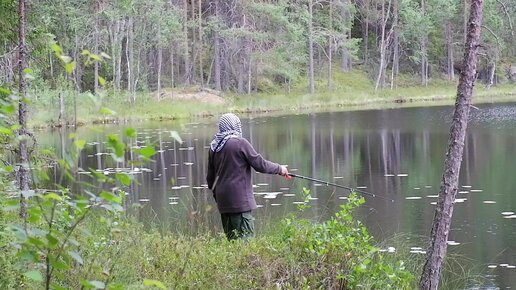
(252, 46)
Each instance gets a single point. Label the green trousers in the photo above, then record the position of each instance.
(238, 225)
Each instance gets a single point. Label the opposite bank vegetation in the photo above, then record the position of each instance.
(351, 91)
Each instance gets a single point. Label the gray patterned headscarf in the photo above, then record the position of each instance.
(229, 127)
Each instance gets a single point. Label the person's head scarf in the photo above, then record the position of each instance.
(229, 127)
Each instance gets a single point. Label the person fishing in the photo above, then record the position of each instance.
(230, 160)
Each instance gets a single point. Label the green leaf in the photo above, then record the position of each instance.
(52, 241)
(56, 48)
(34, 275)
(155, 283)
(80, 144)
(53, 196)
(76, 256)
(102, 81)
(107, 111)
(147, 151)
(176, 136)
(123, 178)
(108, 196)
(93, 284)
(6, 131)
(69, 67)
(130, 132)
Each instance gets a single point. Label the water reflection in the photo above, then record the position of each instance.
(394, 153)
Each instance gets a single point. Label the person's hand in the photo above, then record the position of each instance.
(284, 171)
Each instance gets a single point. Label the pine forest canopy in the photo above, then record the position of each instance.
(251, 45)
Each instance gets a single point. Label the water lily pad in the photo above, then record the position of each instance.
(453, 243)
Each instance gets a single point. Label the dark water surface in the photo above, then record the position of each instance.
(397, 154)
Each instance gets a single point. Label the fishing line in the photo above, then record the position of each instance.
(327, 183)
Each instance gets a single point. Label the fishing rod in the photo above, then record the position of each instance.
(327, 183)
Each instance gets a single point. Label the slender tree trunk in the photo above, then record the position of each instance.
(96, 45)
(330, 40)
(172, 82)
(465, 20)
(396, 43)
(311, 80)
(424, 50)
(23, 170)
(217, 52)
(186, 53)
(449, 184)
(129, 54)
(449, 48)
(384, 42)
(160, 59)
(201, 69)
(366, 32)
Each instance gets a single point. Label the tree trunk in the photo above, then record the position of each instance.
(160, 60)
(96, 46)
(424, 50)
(311, 81)
(23, 170)
(172, 84)
(201, 70)
(186, 53)
(396, 45)
(384, 42)
(216, 52)
(129, 54)
(449, 47)
(330, 40)
(448, 189)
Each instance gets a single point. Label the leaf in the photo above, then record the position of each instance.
(69, 67)
(80, 144)
(102, 81)
(52, 241)
(155, 283)
(105, 55)
(56, 48)
(176, 136)
(107, 111)
(34, 275)
(130, 132)
(6, 131)
(147, 151)
(93, 284)
(65, 58)
(76, 256)
(53, 196)
(123, 178)
(108, 196)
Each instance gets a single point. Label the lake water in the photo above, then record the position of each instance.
(397, 154)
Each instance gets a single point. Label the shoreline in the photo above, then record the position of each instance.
(495, 95)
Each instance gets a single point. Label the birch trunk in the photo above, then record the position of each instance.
(449, 183)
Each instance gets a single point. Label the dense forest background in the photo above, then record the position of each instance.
(251, 45)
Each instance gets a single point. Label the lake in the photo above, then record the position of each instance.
(397, 154)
